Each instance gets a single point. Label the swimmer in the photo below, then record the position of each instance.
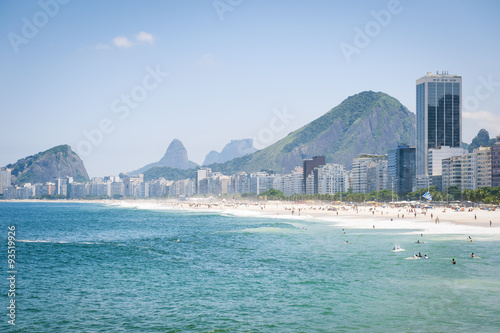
(420, 255)
(453, 261)
(473, 255)
(425, 256)
(346, 242)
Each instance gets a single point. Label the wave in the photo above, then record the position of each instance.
(351, 222)
(52, 241)
(413, 227)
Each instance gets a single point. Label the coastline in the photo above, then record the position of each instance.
(380, 216)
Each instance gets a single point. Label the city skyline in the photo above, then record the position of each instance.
(207, 74)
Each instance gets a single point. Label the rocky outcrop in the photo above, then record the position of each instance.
(58, 162)
(176, 157)
(482, 139)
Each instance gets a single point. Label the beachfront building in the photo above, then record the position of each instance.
(5, 180)
(468, 171)
(369, 173)
(483, 167)
(184, 187)
(495, 164)
(290, 184)
(401, 169)
(309, 166)
(330, 179)
(439, 118)
(259, 182)
(436, 156)
(201, 182)
(239, 183)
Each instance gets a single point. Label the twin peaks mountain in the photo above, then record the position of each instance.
(57, 162)
(176, 156)
(234, 149)
(368, 122)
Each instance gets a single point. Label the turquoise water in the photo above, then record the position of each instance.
(96, 268)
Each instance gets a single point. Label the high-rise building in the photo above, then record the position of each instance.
(309, 166)
(401, 169)
(369, 173)
(495, 164)
(439, 117)
(201, 181)
(5, 180)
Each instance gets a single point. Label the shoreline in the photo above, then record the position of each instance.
(385, 215)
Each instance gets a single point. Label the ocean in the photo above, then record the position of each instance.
(89, 267)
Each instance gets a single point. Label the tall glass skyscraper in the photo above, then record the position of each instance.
(439, 116)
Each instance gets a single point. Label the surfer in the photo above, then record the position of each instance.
(473, 255)
(425, 256)
(419, 255)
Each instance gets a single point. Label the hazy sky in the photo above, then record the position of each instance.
(134, 75)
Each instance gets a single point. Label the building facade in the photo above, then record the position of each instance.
(439, 117)
(401, 169)
(369, 173)
(309, 166)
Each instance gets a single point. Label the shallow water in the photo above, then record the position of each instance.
(91, 267)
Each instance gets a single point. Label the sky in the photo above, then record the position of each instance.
(119, 80)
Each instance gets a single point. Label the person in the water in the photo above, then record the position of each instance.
(453, 261)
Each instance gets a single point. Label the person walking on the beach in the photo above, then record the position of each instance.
(490, 223)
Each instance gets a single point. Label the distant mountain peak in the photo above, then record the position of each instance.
(176, 156)
(365, 122)
(56, 162)
(482, 139)
(234, 149)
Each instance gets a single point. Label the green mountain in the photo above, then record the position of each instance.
(482, 139)
(46, 166)
(368, 122)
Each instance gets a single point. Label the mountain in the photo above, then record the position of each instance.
(482, 139)
(234, 149)
(57, 162)
(368, 122)
(175, 157)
